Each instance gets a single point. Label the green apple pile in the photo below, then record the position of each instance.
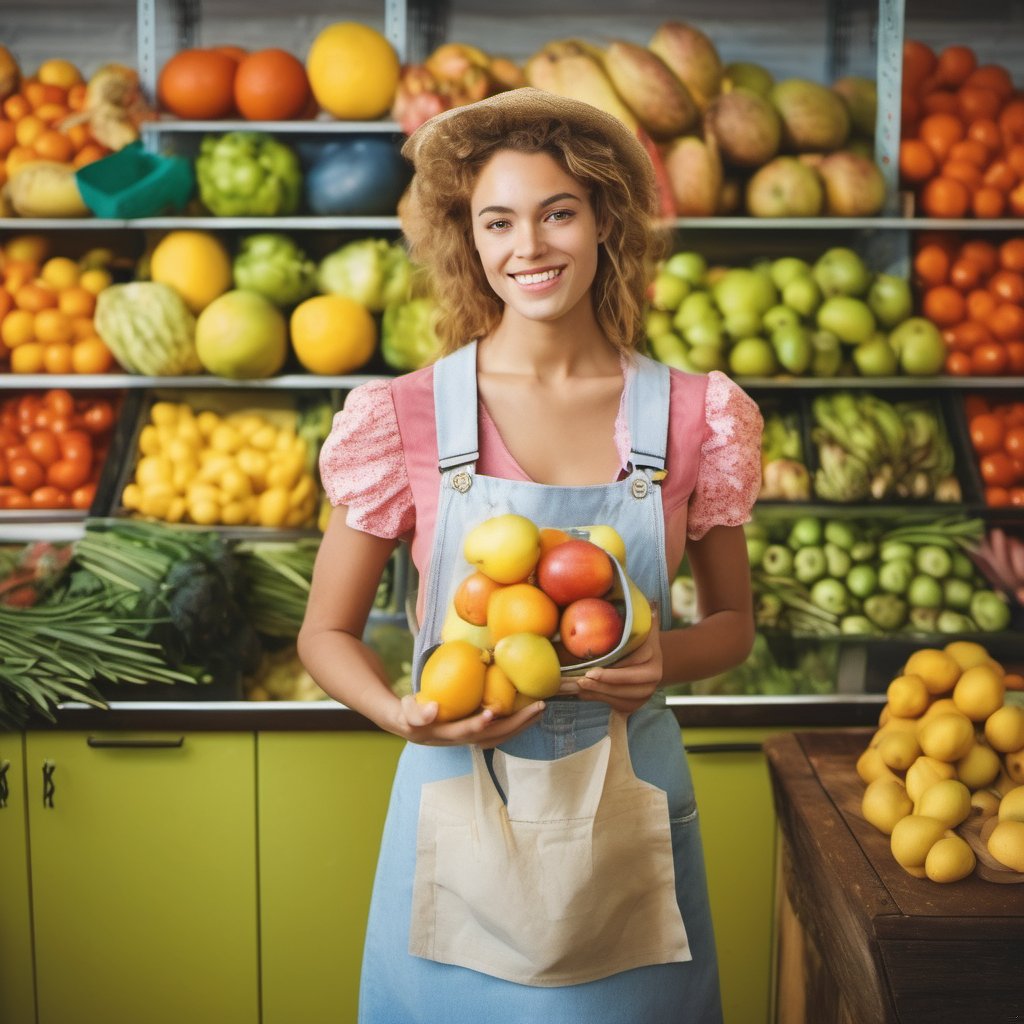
(787, 316)
(827, 577)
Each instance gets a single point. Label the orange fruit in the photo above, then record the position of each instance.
(958, 364)
(58, 72)
(988, 202)
(16, 107)
(932, 263)
(76, 301)
(940, 101)
(79, 135)
(76, 97)
(1011, 254)
(1011, 122)
(53, 326)
(982, 252)
(6, 302)
(28, 129)
(34, 296)
(999, 174)
(271, 85)
(976, 101)
(551, 537)
(198, 85)
(7, 137)
(38, 94)
(945, 197)
(986, 131)
(82, 327)
(1006, 321)
(59, 272)
(95, 280)
(1006, 284)
(971, 151)
(964, 274)
(51, 114)
(472, 596)
(91, 355)
(991, 76)
(944, 305)
(18, 272)
(57, 357)
(18, 328)
(954, 64)
(521, 608)
(27, 358)
(940, 131)
(980, 304)
(453, 677)
(917, 161)
(89, 153)
(918, 62)
(962, 170)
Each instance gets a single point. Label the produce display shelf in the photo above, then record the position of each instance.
(832, 223)
(321, 126)
(938, 383)
(309, 223)
(51, 530)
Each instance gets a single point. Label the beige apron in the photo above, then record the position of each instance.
(571, 881)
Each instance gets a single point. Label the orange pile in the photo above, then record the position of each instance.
(962, 127)
(997, 436)
(973, 290)
(46, 312)
(38, 122)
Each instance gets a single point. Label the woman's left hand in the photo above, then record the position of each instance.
(628, 684)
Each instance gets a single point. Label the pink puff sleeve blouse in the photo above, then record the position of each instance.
(380, 460)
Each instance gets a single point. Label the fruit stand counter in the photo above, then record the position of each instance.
(862, 940)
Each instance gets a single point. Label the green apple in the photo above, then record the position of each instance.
(919, 347)
(840, 271)
(890, 299)
(705, 358)
(695, 307)
(753, 357)
(787, 268)
(792, 345)
(667, 291)
(875, 357)
(706, 332)
(743, 289)
(657, 321)
(742, 323)
(690, 266)
(671, 350)
(802, 294)
(780, 316)
(848, 318)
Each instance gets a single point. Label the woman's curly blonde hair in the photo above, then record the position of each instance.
(438, 223)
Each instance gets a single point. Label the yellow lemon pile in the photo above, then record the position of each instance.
(949, 748)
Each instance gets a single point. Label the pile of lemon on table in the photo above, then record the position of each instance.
(949, 747)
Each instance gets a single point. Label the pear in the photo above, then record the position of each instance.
(505, 547)
(643, 618)
(455, 627)
(608, 538)
(531, 663)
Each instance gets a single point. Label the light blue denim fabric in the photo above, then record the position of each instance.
(401, 989)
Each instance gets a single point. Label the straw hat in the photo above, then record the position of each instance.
(511, 109)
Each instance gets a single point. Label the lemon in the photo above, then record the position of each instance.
(979, 692)
(925, 772)
(1006, 844)
(60, 272)
(938, 669)
(353, 71)
(948, 801)
(966, 653)
(96, 280)
(912, 838)
(884, 803)
(332, 334)
(947, 737)
(984, 804)
(979, 767)
(1004, 728)
(1011, 807)
(453, 676)
(899, 750)
(907, 696)
(195, 264)
(949, 860)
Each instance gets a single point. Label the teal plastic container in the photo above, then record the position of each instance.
(134, 183)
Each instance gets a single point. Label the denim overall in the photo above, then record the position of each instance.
(398, 988)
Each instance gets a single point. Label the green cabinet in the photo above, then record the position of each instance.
(144, 877)
(17, 997)
(322, 801)
(730, 777)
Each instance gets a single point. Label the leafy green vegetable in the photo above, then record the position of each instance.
(408, 338)
(272, 265)
(371, 271)
(248, 174)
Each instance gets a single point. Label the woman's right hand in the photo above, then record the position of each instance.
(418, 723)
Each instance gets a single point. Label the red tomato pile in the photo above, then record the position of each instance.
(973, 290)
(962, 127)
(52, 447)
(997, 436)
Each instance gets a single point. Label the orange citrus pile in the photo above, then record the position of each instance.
(962, 127)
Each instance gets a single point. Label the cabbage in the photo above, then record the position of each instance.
(408, 338)
(272, 265)
(248, 174)
(372, 271)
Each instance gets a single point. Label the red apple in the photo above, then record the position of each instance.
(591, 627)
(471, 597)
(574, 569)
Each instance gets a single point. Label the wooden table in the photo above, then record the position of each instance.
(860, 940)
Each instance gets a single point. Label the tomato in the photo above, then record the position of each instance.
(1013, 441)
(3, 471)
(48, 496)
(958, 364)
(1015, 357)
(997, 469)
(60, 402)
(1014, 413)
(988, 360)
(43, 446)
(11, 497)
(67, 474)
(83, 497)
(75, 444)
(98, 417)
(28, 406)
(26, 474)
(8, 438)
(1017, 497)
(987, 432)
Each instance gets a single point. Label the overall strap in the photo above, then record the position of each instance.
(648, 414)
(455, 408)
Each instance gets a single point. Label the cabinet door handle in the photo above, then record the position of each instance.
(724, 748)
(134, 744)
(4, 789)
(48, 787)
